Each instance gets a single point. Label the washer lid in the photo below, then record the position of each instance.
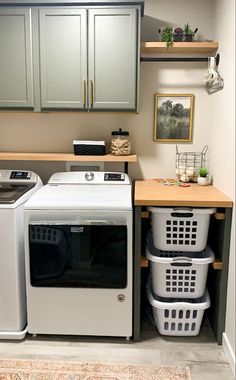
(83, 197)
(11, 193)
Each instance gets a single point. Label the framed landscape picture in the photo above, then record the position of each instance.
(173, 121)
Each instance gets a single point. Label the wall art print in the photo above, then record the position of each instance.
(173, 120)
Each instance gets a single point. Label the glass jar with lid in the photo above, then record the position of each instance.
(120, 143)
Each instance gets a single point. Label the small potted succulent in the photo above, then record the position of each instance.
(167, 35)
(178, 34)
(189, 33)
(203, 178)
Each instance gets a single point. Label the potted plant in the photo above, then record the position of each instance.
(203, 178)
(167, 35)
(189, 33)
(178, 34)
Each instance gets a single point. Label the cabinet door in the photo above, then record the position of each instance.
(63, 58)
(16, 83)
(112, 58)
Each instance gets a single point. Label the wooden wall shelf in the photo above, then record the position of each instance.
(206, 48)
(10, 156)
(67, 157)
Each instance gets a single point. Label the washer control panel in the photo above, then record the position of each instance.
(114, 177)
(19, 174)
(18, 177)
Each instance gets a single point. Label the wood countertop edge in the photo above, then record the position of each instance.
(174, 203)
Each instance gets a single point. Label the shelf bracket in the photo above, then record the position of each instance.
(179, 59)
(217, 264)
(219, 215)
(174, 59)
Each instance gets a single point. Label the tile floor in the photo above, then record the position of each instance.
(201, 354)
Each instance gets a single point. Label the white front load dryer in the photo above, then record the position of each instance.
(79, 255)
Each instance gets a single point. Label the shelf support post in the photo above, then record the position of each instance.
(137, 273)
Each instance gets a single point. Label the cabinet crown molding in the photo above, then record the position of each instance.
(73, 3)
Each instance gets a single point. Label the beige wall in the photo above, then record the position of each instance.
(54, 131)
(223, 144)
(159, 13)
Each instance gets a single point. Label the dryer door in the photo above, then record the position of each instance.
(90, 254)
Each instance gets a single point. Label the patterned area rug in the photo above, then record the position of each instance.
(55, 370)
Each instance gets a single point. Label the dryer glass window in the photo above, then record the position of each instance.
(80, 256)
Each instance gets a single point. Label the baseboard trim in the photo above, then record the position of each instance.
(230, 355)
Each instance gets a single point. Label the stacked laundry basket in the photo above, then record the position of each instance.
(179, 259)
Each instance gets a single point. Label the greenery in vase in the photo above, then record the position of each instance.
(178, 34)
(167, 35)
(187, 29)
(203, 171)
(178, 30)
(189, 33)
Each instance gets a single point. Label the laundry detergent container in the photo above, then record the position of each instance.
(178, 316)
(180, 229)
(178, 274)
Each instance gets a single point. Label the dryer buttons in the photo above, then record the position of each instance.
(89, 176)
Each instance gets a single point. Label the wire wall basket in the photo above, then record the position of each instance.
(189, 163)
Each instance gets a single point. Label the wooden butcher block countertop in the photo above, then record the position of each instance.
(154, 193)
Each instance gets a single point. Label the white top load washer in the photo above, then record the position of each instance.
(78, 237)
(16, 186)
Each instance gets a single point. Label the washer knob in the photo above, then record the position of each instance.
(89, 176)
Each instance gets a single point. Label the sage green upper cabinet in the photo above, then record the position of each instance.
(68, 56)
(16, 74)
(63, 58)
(112, 58)
(88, 58)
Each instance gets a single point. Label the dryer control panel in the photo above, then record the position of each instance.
(114, 177)
(90, 178)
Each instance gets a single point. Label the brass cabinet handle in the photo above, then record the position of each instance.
(91, 92)
(84, 92)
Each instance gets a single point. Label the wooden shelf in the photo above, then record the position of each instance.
(9, 156)
(206, 48)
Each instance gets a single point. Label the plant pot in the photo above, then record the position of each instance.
(178, 37)
(203, 181)
(188, 37)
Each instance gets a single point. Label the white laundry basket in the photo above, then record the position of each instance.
(180, 229)
(178, 317)
(178, 274)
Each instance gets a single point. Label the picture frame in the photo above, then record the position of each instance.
(173, 118)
